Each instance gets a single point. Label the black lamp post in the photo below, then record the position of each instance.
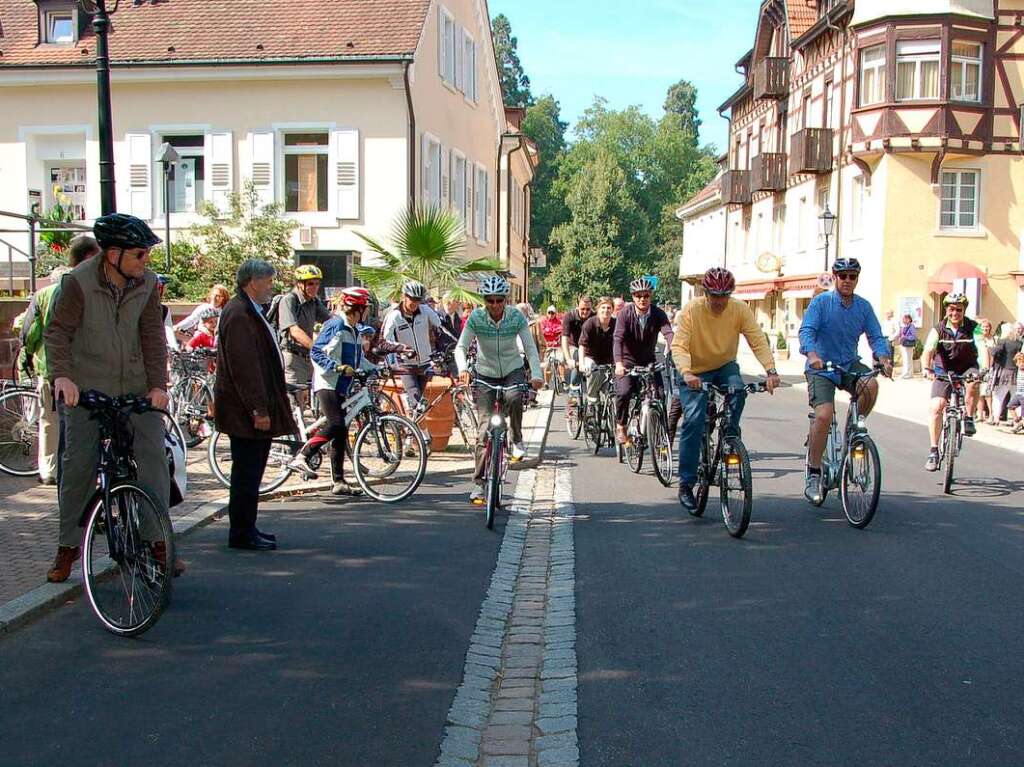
(168, 157)
(828, 227)
(100, 11)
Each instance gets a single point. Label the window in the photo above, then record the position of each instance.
(806, 109)
(459, 186)
(188, 185)
(917, 70)
(960, 199)
(872, 75)
(965, 72)
(801, 226)
(431, 171)
(59, 26)
(446, 46)
(469, 66)
(305, 172)
(829, 103)
(67, 187)
(778, 227)
(856, 229)
(482, 204)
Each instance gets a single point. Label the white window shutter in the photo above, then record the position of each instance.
(446, 192)
(220, 163)
(140, 174)
(489, 226)
(460, 80)
(440, 41)
(472, 73)
(425, 170)
(261, 166)
(346, 172)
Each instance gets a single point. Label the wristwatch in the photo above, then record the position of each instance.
(772, 372)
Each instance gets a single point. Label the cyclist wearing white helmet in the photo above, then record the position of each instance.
(495, 328)
(298, 312)
(414, 324)
(953, 347)
(636, 339)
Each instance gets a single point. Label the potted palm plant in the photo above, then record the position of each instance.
(428, 245)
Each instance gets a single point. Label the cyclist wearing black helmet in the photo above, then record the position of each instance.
(107, 333)
(830, 332)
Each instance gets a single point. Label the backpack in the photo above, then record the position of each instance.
(275, 310)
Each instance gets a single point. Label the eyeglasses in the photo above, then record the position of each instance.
(954, 308)
(642, 296)
(848, 276)
(495, 301)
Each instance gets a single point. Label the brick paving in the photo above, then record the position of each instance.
(516, 706)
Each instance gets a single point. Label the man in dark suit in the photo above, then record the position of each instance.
(251, 399)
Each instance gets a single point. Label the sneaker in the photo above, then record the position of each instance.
(300, 464)
(969, 428)
(686, 499)
(61, 570)
(812, 488)
(410, 448)
(932, 464)
(344, 488)
(477, 496)
(518, 451)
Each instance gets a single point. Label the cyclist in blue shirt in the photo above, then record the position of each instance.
(830, 332)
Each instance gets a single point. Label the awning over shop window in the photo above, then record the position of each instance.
(942, 280)
(753, 291)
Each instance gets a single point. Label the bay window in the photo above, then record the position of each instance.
(965, 71)
(872, 75)
(917, 70)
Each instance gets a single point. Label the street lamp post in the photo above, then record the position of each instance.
(100, 11)
(168, 157)
(828, 226)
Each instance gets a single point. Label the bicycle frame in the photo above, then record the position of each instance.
(837, 446)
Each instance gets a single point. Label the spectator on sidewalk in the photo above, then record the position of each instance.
(906, 339)
(1016, 404)
(32, 357)
(891, 331)
(1004, 372)
(251, 399)
(985, 399)
(217, 298)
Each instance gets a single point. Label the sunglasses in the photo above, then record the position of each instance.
(494, 301)
(848, 276)
(644, 296)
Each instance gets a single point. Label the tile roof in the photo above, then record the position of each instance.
(248, 30)
(802, 16)
(706, 193)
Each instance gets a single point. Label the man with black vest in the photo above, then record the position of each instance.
(954, 348)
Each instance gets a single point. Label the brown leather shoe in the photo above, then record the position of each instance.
(160, 555)
(61, 570)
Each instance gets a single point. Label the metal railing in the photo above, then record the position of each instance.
(35, 225)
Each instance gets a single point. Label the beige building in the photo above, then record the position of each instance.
(903, 119)
(344, 112)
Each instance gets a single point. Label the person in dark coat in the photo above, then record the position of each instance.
(250, 399)
(1004, 371)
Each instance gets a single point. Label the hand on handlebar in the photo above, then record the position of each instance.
(929, 374)
(692, 381)
(464, 378)
(815, 361)
(772, 383)
(620, 369)
(537, 384)
(886, 365)
(158, 398)
(65, 389)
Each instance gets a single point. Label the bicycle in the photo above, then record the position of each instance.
(496, 449)
(576, 407)
(952, 437)
(850, 462)
(20, 411)
(647, 426)
(599, 418)
(557, 381)
(128, 545)
(724, 460)
(191, 394)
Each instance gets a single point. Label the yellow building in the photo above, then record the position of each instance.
(903, 119)
(345, 113)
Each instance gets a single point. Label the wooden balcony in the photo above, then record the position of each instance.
(811, 151)
(771, 78)
(768, 172)
(736, 187)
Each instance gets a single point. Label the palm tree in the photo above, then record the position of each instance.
(429, 245)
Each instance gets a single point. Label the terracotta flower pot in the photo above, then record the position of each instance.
(440, 418)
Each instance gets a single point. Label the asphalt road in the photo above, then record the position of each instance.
(344, 647)
(808, 642)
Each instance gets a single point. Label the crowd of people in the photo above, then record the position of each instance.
(102, 325)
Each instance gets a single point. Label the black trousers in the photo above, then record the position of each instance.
(335, 430)
(248, 461)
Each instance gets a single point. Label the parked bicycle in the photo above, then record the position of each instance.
(128, 545)
(850, 462)
(952, 437)
(20, 411)
(191, 393)
(599, 418)
(724, 460)
(496, 449)
(647, 427)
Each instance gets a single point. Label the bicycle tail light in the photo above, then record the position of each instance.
(858, 450)
(732, 459)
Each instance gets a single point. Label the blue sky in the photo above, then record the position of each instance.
(631, 51)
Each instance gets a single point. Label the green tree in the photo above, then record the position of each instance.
(429, 246)
(515, 85)
(681, 100)
(543, 125)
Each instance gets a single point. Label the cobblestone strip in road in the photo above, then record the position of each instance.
(516, 706)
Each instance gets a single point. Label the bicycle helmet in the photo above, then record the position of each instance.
(209, 313)
(495, 286)
(846, 265)
(415, 290)
(119, 230)
(641, 285)
(355, 297)
(308, 272)
(955, 298)
(719, 281)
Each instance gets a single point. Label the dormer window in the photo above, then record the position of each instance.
(58, 23)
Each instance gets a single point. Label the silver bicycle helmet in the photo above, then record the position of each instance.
(495, 286)
(641, 285)
(414, 289)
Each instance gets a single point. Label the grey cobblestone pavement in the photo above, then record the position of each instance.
(516, 706)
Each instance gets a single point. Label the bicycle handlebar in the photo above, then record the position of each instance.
(97, 402)
(751, 388)
(960, 377)
(643, 370)
(510, 388)
(835, 367)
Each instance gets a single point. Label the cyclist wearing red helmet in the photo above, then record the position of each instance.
(707, 338)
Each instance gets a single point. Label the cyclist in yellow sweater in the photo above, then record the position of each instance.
(707, 337)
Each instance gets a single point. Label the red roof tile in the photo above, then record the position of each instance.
(247, 30)
(802, 16)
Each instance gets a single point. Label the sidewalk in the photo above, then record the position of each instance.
(907, 400)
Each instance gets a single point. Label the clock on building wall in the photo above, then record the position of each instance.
(769, 263)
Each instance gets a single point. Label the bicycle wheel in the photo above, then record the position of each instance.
(493, 473)
(465, 419)
(634, 449)
(126, 583)
(660, 446)
(861, 481)
(282, 450)
(573, 419)
(952, 427)
(389, 458)
(702, 487)
(19, 432)
(735, 490)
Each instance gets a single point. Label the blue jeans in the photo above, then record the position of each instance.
(695, 409)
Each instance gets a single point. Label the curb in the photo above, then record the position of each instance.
(33, 604)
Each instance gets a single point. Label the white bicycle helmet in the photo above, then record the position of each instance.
(640, 285)
(209, 313)
(415, 290)
(495, 286)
